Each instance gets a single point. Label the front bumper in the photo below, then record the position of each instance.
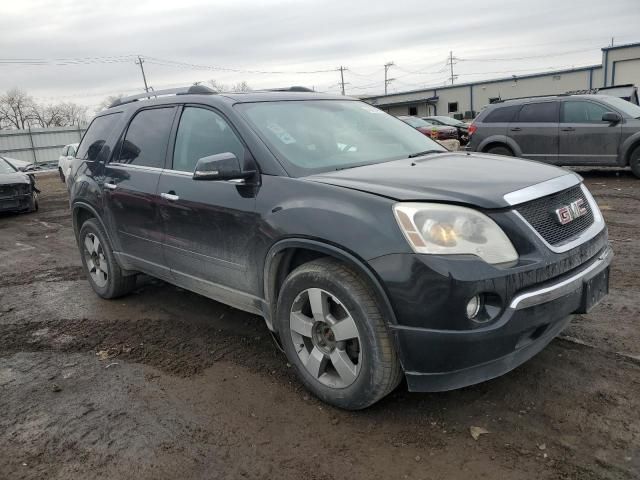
(15, 203)
(436, 359)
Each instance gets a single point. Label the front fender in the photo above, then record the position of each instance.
(627, 147)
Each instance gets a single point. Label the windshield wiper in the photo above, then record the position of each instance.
(426, 152)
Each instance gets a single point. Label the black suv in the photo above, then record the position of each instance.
(585, 130)
(370, 250)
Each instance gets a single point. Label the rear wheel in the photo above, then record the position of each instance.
(634, 161)
(333, 333)
(105, 275)
(500, 150)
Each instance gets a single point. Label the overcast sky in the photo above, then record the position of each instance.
(231, 41)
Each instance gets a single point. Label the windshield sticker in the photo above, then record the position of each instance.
(281, 133)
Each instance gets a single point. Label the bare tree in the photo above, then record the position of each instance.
(237, 87)
(72, 114)
(16, 108)
(106, 103)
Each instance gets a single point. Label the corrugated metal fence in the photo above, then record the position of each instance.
(38, 145)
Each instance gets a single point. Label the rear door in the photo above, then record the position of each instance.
(584, 138)
(130, 188)
(209, 225)
(535, 130)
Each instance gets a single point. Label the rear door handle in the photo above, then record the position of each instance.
(170, 196)
(110, 186)
(515, 129)
(568, 129)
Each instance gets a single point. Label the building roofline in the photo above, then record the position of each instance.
(626, 45)
(483, 82)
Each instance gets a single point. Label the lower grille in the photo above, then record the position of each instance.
(8, 191)
(541, 215)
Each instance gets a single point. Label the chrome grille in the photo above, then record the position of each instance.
(541, 215)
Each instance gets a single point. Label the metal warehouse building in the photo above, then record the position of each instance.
(620, 66)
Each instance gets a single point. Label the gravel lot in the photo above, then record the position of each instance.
(165, 383)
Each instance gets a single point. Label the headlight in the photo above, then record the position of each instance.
(449, 229)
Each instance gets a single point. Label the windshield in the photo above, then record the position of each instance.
(316, 136)
(624, 106)
(448, 121)
(5, 167)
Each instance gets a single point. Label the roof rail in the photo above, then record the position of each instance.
(190, 90)
(290, 89)
(533, 96)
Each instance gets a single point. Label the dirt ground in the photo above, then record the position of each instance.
(165, 384)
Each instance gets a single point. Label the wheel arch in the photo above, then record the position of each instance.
(500, 140)
(628, 147)
(81, 212)
(284, 256)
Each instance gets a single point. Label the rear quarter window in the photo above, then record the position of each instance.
(97, 135)
(502, 114)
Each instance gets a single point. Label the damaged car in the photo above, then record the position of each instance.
(18, 192)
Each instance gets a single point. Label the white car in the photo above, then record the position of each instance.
(64, 162)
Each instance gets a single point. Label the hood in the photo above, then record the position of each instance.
(11, 178)
(481, 180)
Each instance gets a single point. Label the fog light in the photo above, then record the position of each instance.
(473, 307)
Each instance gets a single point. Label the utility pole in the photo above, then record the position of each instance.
(342, 69)
(387, 80)
(450, 61)
(140, 62)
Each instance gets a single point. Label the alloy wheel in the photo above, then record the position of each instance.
(326, 338)
(95, 259)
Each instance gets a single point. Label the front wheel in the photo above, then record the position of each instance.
(61, 175)
(333, 333)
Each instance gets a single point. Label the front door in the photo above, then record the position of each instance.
(131, 188)
(535, 130)
(584, 138)
(209, 225)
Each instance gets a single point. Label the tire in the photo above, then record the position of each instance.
(34, 203)
(103, 272)
(61, 175)
(634, 161)
(500, 150)
(353, 372)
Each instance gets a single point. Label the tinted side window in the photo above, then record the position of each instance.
(202, 133)
(96, 136)
(72, 151)
(546, 112)
(582, 112)
(145, 143)
(502, 114)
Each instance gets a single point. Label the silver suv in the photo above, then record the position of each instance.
(563, 130)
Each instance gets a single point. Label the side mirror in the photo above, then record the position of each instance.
(611, 117)
(222, 166)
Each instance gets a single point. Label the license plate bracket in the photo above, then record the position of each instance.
(594, 290)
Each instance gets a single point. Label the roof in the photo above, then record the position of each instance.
(483, 82)
(274, 96)
(625, 45)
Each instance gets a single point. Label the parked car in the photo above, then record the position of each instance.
(596, 130)
(18, 192)
(64, 161)
(370, 250)
(461, 127)
(437, 132)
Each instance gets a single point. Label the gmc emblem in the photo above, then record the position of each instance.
(570, 212)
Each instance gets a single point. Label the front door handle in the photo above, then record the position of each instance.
(515, 129)
(110, 186)
(170, 196)
(568, 129)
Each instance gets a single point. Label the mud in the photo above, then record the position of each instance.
(164, 383)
